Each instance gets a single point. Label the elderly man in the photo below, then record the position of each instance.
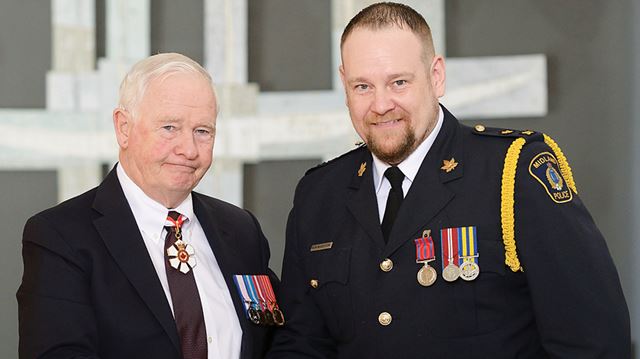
(141, 266)
(437, 240)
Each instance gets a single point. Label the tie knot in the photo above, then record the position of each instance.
(395, 177)
(174, 220)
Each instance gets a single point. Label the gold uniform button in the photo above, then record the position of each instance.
(480, 128)
(384, 318)
(386, 265)
(314, 283)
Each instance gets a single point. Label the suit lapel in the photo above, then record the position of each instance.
(121, 235)
(428, 194)
(230, 261)
(362, 202)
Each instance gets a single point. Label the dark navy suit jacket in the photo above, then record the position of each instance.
(90, 289)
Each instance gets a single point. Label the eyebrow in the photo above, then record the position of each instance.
(407, 75)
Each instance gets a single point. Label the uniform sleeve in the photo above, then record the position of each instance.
(578, 302)
(304, 334)
(54, 308)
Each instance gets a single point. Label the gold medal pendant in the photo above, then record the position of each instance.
(451, 272)
(469, 271)
(181, 256)
(427, 275)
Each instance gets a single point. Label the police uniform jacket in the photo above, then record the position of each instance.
(340, 303)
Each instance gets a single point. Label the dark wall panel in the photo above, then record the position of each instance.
(290, 44)
(268, 194)
(178, 26)
(25, 52)
(22, 193)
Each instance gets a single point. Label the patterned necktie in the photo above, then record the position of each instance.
(187, 308)
(395, 177)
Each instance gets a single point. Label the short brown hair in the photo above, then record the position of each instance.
(388, 14)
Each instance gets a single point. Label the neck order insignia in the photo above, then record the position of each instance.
(449, 165)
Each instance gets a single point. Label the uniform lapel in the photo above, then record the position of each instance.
(121, 235)
(428, 194)
(229, 259)
(362, 200)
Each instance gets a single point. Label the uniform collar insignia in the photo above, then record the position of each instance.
(363, 167)
(449, 165)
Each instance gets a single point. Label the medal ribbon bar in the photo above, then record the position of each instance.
(244, 292)
(468, 244)
(449, 243)
(424, 249)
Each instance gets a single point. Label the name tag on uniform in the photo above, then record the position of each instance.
(321, 246)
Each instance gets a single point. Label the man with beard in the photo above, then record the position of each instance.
(437, 240)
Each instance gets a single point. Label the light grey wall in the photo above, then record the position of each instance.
(22, 193)
(290, 44)
(588, 44)
(25, 52)
(268, 194)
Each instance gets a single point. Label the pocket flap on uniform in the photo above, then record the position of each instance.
(491, 257)
(329, 266)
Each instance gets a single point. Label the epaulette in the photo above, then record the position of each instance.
(359, 145)
(528, 135)
(521, 137)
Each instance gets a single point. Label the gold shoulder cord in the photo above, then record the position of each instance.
(508, 190)
(506, 207)
(562, 161)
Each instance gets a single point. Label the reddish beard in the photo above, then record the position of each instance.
(397, 153)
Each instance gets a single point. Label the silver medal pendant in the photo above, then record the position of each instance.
(469, 271)
(451, 272)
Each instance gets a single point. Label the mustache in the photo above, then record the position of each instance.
(389, 116)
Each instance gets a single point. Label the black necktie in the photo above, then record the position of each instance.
(395, 177)
(187, 308)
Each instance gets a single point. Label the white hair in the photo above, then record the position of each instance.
(160, 66)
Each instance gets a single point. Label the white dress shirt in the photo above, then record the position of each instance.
(224, 335)
(409, 168)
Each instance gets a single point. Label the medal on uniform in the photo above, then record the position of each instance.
(450, 257)
(259, 299)
(469, 269)
(424, 254)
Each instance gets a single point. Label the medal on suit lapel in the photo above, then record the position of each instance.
(469, 269)
(450, 257)
(424, 254)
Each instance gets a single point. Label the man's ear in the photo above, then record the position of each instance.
(344, 84)
(122, 122)
(438, 75)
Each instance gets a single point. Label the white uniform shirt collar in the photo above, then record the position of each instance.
(411, 164)
(149, 214)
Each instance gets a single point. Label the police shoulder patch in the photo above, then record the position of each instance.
(544, 168)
